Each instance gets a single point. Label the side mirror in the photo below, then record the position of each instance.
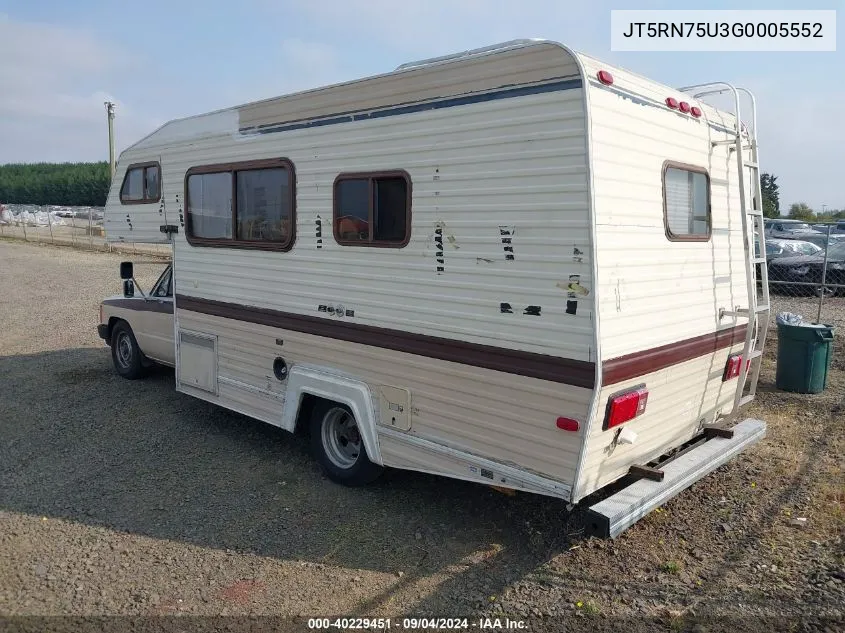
(126, 270)
(128, 288)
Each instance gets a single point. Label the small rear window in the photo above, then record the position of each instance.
(686, 202)
(141, 184)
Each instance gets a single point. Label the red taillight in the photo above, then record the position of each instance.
(605, 77)
(672, 103)
(626, 406)
(695, 111)
(568, 424)
(733, 367)
(684, 107)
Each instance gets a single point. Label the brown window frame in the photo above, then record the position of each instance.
(145, 166)
(233, 168)
(372, 176)
(672, 237)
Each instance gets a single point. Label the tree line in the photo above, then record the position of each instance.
(62, 184)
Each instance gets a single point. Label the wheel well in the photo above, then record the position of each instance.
(114, 321)
(303, 415)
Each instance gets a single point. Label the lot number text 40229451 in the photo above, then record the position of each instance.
(412, 624)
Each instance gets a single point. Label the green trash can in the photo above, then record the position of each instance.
(804, 353)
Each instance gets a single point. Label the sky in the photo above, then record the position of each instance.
(165, 59)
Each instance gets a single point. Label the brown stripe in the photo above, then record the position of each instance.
(141, 305)
(645, 362)
(542, 366)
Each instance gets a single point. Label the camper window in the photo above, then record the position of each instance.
(241, 205)
(686, 202)
(141, 184)
(372, 209)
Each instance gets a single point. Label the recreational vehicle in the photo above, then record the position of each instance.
(516, 265)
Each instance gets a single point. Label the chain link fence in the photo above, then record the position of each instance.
(806, 269)
(78, 227)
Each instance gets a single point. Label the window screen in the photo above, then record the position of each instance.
(141, 184)
(242, 205)
(372, 209)
(686, 199)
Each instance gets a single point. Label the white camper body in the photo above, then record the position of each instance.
(541, 274)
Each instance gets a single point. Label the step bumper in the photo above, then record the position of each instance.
(612, 516)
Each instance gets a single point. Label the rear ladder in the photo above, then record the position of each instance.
(758, 311)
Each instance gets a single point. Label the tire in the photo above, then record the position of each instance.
(338, 447)
(125, 353)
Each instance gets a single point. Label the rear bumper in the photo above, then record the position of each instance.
(103, 331)
(612, 516)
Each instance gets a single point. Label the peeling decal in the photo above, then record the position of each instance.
(505, 308)
(479, 260)
(571, 306)
(573, 288)
(438, 244)
(532, 310)
(507, 233)
(452, 241)
(318, 231)
(577, 255)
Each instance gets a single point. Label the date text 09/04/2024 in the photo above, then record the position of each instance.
(383, 624)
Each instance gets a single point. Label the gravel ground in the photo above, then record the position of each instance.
(126, 498)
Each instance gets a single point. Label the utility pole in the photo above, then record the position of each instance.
(110, 111)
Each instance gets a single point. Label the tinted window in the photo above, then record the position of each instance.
(686, 196)
(210, 205)
(352, 210)
(372, 209)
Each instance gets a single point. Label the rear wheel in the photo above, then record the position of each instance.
(338, 446)
(125, 353)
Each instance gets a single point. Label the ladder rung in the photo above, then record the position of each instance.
(752, 165)
(759, 260)
(745, 311)
(726, 142)
(746, 399)
(756, 213)
(755, 354)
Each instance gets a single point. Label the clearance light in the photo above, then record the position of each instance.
(684, 107)
(605, 77)
(568, 424)
(695, 111)
(672, 103)
(626, 406)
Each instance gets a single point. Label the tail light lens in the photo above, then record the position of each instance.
(734, 367)
(626, 406)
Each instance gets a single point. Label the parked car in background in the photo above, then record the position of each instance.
(789, 229)
(807, 269)
(822, 240)
(840, 227)
(776, 248)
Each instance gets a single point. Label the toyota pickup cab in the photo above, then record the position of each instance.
(139, 329)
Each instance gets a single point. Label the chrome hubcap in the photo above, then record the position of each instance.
(341, 438)
(124, 350)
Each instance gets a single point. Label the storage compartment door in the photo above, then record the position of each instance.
(135, 208)
(197, 361)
